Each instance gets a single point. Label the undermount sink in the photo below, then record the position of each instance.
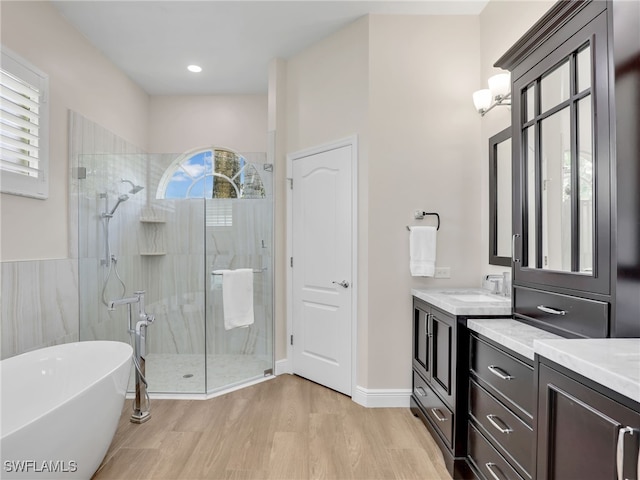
(473, 297)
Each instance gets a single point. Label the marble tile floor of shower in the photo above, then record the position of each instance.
(185, 373)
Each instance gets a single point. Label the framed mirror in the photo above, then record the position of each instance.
(500, 181)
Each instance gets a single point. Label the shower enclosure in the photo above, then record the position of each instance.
(170, 225)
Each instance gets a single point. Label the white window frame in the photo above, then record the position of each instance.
(35, 184)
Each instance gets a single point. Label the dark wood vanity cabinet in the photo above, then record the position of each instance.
(576, 169)
(439, 389)
(434, 349)
(585, 431)
(502, 396)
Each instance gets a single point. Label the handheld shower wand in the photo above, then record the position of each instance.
(121, 198)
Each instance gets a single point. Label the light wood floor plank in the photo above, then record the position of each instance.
(328, 453)
(175, 451)
(288, 459)
(130, 463)
(283, 429)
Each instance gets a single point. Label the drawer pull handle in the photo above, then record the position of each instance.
(420, 392)
(498, 372)
(490, 466)
(438, 415)
(502, 429)
(620, 451)
(552, 311)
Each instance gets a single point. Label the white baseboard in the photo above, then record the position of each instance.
(283, 366)
(382, 398)
(370, 398)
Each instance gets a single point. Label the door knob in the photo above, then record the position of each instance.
(343, 283)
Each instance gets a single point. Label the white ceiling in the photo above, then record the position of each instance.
(233, 41)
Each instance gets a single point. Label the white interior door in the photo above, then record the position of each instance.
(322, 277)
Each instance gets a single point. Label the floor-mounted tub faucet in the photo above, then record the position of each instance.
(140, 413)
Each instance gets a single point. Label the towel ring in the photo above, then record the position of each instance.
(419, 215)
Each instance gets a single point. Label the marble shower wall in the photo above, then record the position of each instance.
(40, 305)
(164, 247)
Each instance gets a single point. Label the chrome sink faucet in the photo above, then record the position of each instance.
(495, 282)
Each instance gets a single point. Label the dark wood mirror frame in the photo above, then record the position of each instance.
(494, 258)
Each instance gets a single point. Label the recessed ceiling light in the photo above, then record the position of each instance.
(194, 68)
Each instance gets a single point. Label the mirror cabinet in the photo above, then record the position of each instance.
(500, 193)
(566, 270)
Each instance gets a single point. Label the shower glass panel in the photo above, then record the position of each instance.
(239, 235)
(169, 247)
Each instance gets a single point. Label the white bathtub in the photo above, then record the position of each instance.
(60, 408)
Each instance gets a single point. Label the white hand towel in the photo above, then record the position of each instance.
(237, 297)
(422, 251)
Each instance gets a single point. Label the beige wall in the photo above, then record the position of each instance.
(181, 123)
(404, 85)
(501, 25)
(276, 154)
(80, 79)
(418, 138)
(424, 143)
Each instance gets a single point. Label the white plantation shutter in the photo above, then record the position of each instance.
(23, 127)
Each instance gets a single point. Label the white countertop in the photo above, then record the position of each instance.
(514, 335)
(612, 362)
(465, 301)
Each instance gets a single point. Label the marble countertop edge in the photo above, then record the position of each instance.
(510, 333)
(445, 299)
(582, 356)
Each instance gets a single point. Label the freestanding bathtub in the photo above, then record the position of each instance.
(60, 408)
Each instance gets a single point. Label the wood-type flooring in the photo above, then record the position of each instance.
(284, 428)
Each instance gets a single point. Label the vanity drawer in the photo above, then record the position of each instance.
(509, 432)
(505, 376)
(564, 314)
(487, 460)
(439, 414)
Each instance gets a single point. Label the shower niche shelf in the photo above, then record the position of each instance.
(152, 235)
(152, 220)
(151, 215)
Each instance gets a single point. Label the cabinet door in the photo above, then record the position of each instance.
(561, 153)
(579, 432)
(442, 333)
(421, 345)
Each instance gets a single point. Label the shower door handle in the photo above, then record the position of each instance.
(343, 283)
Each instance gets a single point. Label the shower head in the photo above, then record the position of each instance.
(134, 188)
(121, 198)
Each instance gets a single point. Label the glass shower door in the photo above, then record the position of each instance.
(168, 224)
(239, 235)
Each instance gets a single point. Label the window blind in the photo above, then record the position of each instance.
(23, 116)
(219, 213)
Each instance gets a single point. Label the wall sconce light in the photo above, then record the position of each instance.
(498, 93)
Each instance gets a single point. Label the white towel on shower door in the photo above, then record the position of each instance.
(237, 298)
(422, 251)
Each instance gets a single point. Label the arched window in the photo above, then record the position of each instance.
(210, 173)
